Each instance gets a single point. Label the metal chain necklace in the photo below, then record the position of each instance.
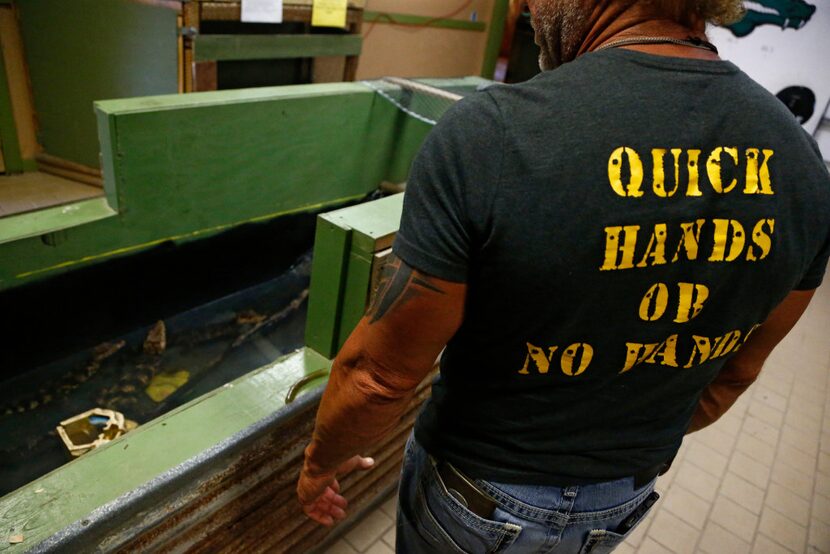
(693, 42)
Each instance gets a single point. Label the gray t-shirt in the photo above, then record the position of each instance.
(623, 223)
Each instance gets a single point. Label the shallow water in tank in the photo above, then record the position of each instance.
(215, 343)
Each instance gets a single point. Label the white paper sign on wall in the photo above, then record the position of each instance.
(262, 11)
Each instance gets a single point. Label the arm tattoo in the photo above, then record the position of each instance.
(399, 283)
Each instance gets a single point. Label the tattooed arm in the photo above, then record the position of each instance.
(374, 377)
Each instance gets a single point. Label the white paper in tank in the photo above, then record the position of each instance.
(784, 44)
(262, 11)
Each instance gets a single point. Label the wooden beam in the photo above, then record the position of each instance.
(8, 129)
(20, 93)
(175, 5)
(204, 76)
(494, 36)
(268, 47)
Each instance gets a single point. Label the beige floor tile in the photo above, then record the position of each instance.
(823, 484)
(717, 540)
(809, 410)
(756, 449)
(379, 547)
(766, 413)
(389, 537)
(734, 518)
(808, 390)
(706, 459)
(787, 503)
(775, 383)
(674, 533)
(750, 469)
(770, 397)
(639, 533)
(797, 481)
(796, 459)
(390, 507)
(718, 440)
(760, 430)
(369, 530)
(341, 547)
(821, 508)
(743, 493)
(782, 530)
(687, 506)
(765, 545)
(703, 484)
(819, 535)
(729, 424)
(652, 547)
(625, 549)
(802, 421)
(805, 440)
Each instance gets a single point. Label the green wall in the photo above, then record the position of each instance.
(80, 51)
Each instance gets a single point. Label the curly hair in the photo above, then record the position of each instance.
(719, 12)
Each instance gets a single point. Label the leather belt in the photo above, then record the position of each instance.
(481, 504)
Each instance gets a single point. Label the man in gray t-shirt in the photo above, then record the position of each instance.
(609, 253)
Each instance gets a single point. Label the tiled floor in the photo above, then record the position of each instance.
(757, 481)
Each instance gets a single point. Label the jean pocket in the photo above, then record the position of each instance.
(461, 529)
(603, 541)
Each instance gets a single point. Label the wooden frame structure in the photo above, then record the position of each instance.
(199, 53)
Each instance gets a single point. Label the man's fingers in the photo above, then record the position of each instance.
(355, 462)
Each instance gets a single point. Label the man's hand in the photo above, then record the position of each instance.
(741, 370)
(320, 495)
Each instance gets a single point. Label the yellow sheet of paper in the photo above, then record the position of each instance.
(329, 13)
(165, 384)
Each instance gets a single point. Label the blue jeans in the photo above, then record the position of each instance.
(528, 518)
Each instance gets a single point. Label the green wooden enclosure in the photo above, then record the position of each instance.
(183, 167)
(179, 168)
(192, 479)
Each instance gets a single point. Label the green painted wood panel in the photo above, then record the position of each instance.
(183, 167)
(331, 250)
(270, 47)
(344, 246)
(68, 494)
(79, 51)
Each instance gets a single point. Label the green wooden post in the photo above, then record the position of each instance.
(8, 129)
(494, 36)
(331, 252)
